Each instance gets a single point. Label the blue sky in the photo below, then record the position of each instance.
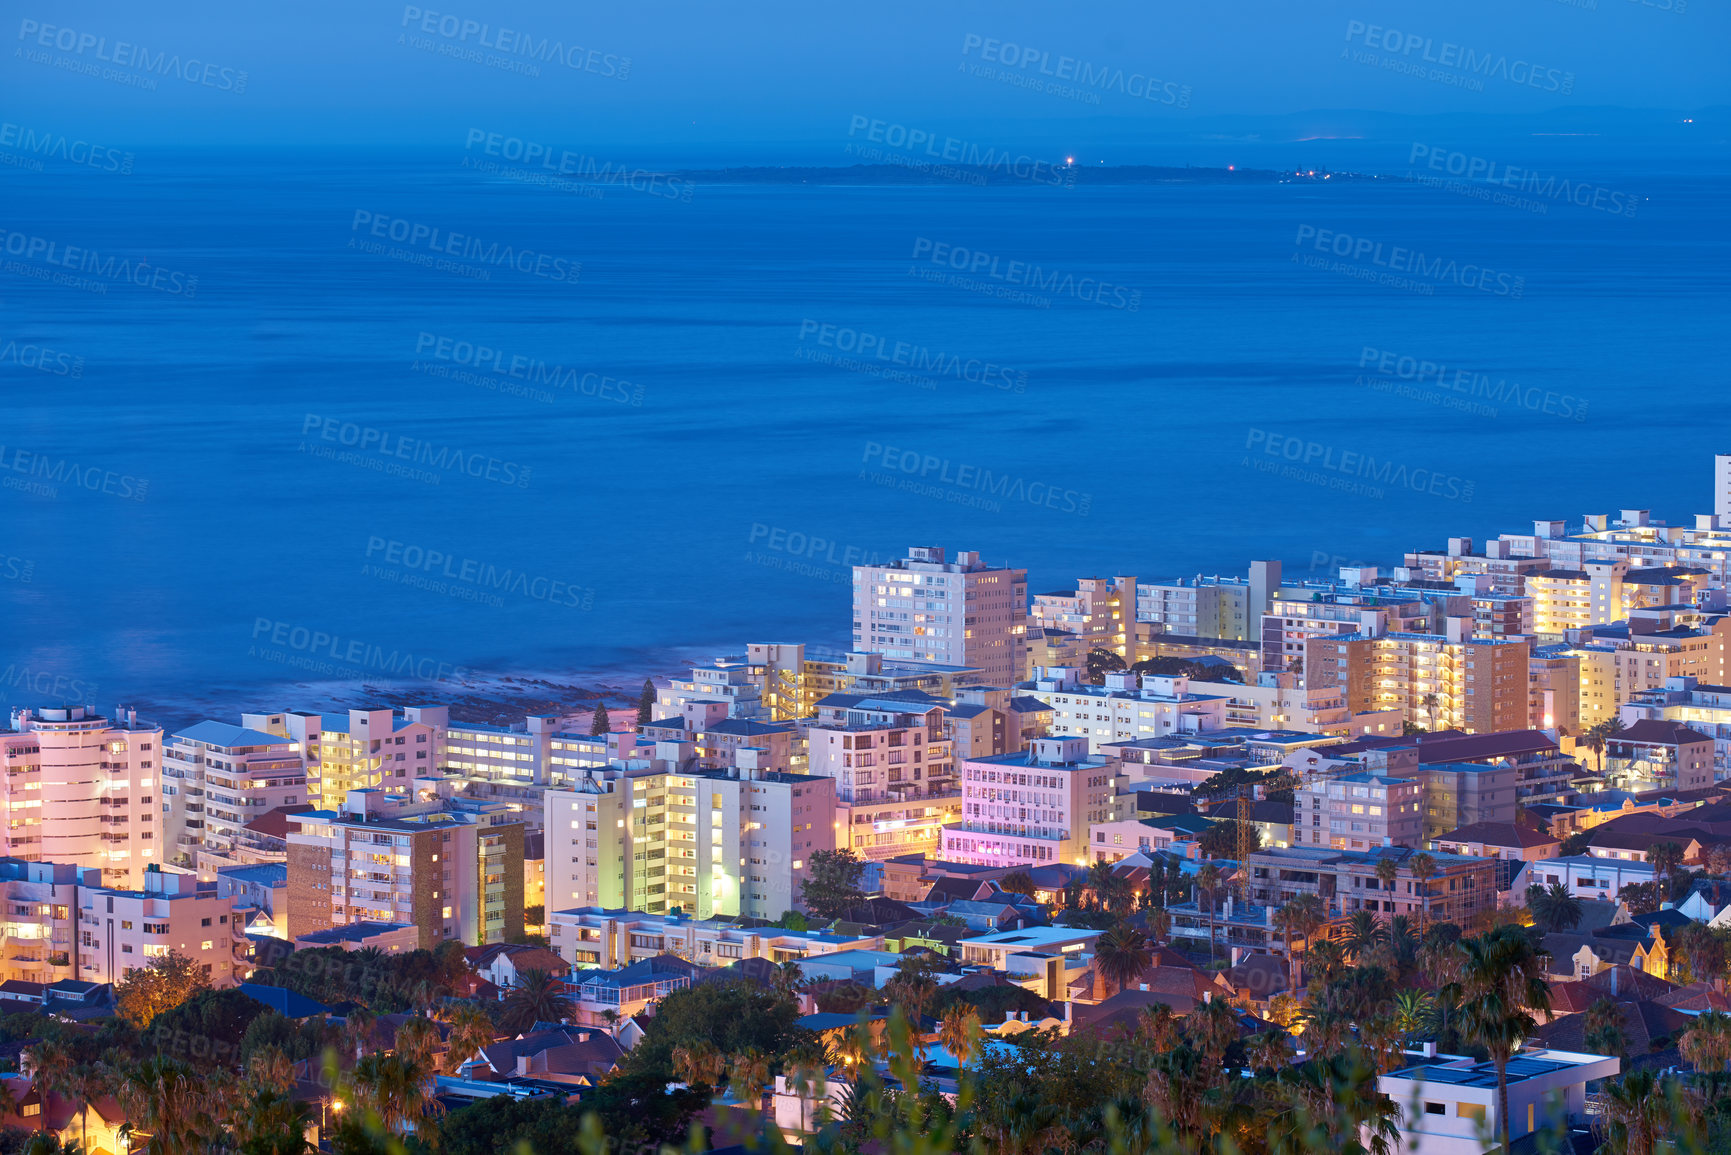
(785, 80)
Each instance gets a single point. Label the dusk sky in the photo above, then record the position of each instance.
(791, 76)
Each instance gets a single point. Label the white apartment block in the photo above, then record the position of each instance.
(893, 765)
(216, 778)
(1125, 707)
(121, 930)
(662, 835)
(1034, 808)
(922, 608)
(605, 939)
(82, 789)
(1447, 1104)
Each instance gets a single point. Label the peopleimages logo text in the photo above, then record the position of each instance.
(1138, 85)
(1351, 463)
(474, 572)
(1470, 383)
(434, 239)
(873, 348)
(943, 471)
(511, 42)
(125, 55)
(1446, 54)
(950, 150)
(52, 146)
(316, 644)
(1411, 262)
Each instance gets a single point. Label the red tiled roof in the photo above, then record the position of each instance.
(274, 823)
(1500, 834)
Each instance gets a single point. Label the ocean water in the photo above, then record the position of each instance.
(664, 460)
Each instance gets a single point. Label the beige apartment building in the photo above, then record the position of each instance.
(124, 929)
(1437, 681)
(83, 789)
(894, 768)
(453, 869)
(360, 750)
(924, 609)
(217, 778)
(1101, 613)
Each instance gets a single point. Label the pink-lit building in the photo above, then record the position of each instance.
(1033, 808)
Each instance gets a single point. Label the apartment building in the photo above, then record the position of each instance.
(1437, 681)
(83, 789)
(1659, 755)
(1703, 708)
(451, 867)
(1446, 1104)
(1503, 563)
(1125, 706)
(665, 835)
(1034, 808)
(360, 750)
(1300, 615)
(124, 929)
(1100, 612)
(1361, 811)
(1211, 607)
(1347, 882)
(218, 777)
(1542, 772)
(40, 928)
(1554, 691)
(1572, 599)
(925, 609)
(894, 768)
(1283, 701)
(983, 721)
(606, 939)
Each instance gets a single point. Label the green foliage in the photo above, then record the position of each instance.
(646, 703)
(1102, 662)
(1189, 668)
(794, 920)
(206, 1030)
(145, 992)
(384, 983)
(296, 1040)
(1220, 840)
(598, 723)
(831, 885)
(993, 1004)
(730, 1016)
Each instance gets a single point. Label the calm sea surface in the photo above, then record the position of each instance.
(701, 404)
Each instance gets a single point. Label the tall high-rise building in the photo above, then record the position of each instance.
(925, 609)
(893, 765)
(82, 789)
(1439, 681)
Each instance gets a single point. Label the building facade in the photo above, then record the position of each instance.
(922, 608)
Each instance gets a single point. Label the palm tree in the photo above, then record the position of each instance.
(1599, 735)
(1604, 1028)
(1364, 934)
(1423, 868)
(1707, 1044)
(699, 1064)
(1636, 1113)
(270, 1069)
(786, 981)
(1414, 1013)
(417, 1041)
(959, 1032)
(1158, 1027)
(1502, 985)
(170, 1102)
(1554, 908)
(1387, 872)
(1268, 1050)
(357, 1031)
(393, 1090)
(1305, 915)
(536, 997)
(1208, 880)
(54, 1069)
(1212, 1027)
(1666, 857)
(1159, 921)
(1327, 958)
(472, 1032)
(748, 1074)
(1430, 703)
(1121, 955)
